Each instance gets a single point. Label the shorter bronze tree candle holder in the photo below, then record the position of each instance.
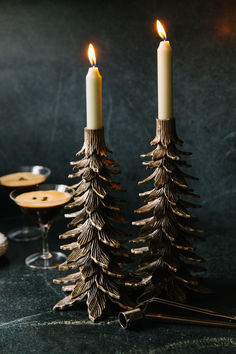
(96, 254)
(166, 265)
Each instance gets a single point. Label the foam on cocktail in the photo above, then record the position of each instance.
(22, 179)
(42, 199)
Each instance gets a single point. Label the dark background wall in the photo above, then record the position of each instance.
(43, 64)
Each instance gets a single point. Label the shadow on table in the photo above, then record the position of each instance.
(4, 261)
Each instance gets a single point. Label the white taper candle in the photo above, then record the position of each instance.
(164, 76)
(93, 93)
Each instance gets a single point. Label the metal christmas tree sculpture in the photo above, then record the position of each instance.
(96, 253)
(166, 267)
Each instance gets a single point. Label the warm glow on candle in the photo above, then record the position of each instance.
(164, 75)
(91, 54)
(93, 93)
(161, 31)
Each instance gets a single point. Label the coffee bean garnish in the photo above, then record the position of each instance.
(44, 198)
(34, 197)
(22, 179)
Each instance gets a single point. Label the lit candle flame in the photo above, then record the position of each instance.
(91, 55)
(161, 31)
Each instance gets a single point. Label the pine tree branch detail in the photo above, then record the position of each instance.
(96, 251)
(166, 264)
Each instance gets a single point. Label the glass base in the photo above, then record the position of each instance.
(38, 261)
(26, 233)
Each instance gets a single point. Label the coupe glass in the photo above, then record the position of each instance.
(26, 232)
(43, 208)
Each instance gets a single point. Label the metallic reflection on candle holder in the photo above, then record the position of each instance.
(129, 318)
(166, 265)
(97, 254)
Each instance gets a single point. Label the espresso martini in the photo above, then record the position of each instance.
(22, 179)
(43, 205)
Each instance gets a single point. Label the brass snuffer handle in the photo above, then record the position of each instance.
(128, 318)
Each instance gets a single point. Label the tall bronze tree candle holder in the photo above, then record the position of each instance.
(166, 264)
(96, 253)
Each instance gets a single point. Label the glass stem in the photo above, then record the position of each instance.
(45, 247)
(23, 220)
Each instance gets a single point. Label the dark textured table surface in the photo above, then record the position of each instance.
(43, 64)
(28, 324)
